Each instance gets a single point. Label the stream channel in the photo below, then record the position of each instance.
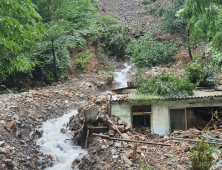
(54, 143)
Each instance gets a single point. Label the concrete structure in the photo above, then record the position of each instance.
(163, 115)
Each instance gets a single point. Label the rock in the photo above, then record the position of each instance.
(118, 144)
(81, 165)
(180, 167)
(14, 108)
(16, 117)
(184, 147)
(62, 130)
(11, 125)
(76, 104)
(75, 162)
(121, 128)
(2, 144)
(111, 132)
(103, 147)
(115, 157)
(127, 128)
(127, 161)
(113, 151)
(101, 99)
(122, 122)
(66, 93)
(2, 151)
(138, 151)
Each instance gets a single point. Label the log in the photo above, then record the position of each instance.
(127, 140)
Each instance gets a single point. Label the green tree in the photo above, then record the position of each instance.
(205, 20)
(18, 27)
(52, 52)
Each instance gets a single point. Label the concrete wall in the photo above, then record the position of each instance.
(122, 110)
(160, 116)
(160, 119)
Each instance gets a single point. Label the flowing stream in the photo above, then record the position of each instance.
(122, 76)
(54, 143)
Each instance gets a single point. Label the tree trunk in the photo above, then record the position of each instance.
(189, 49)
(54, 61)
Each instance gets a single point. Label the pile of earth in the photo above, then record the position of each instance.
(22, 114)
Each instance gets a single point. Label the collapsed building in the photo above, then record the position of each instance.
(163, 114)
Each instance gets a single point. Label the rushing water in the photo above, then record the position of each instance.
(54, 143)
(122, 76)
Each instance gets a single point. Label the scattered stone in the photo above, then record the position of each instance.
(127, 161)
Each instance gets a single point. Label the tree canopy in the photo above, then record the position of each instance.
(205, 19)
(18, 27)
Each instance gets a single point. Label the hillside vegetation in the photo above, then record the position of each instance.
(39, 40)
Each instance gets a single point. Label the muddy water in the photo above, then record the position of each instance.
(55, 144)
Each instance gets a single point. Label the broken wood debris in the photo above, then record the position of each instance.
(127, 140)
(114, 126)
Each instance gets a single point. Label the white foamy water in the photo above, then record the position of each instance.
(122, 76)
(55, 144)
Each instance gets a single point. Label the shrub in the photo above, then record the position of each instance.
(169, 85)
(83, 59)
(115, 40)
(146, 52)
(146, 2)
(201, 158)
(200, 73)
(170, 21)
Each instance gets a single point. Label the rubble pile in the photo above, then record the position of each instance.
(123, 147)
(22, 114)
(105, 153)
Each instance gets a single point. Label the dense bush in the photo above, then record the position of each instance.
(201, 158)
(146, 52)
(146, 2)
(115, 40)
(200, 73)
(170, 21)
(82, 59)
(168, 85)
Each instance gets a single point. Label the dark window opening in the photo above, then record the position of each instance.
(202, 118)
(177, 119)
(205, 113)
(141, 120)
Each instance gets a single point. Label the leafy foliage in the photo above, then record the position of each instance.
(146, 52)
(169, 85)
(216, 56)
(83, 59)
(170, 21)
(205, 20)
(146, 2)
(115, 40)
(18, 27)
(200, 73)
(201, 157)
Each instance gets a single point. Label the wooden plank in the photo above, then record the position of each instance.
(86, 138)
(101, 127)
(114, 126)
(127, 140)
(141, 113)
